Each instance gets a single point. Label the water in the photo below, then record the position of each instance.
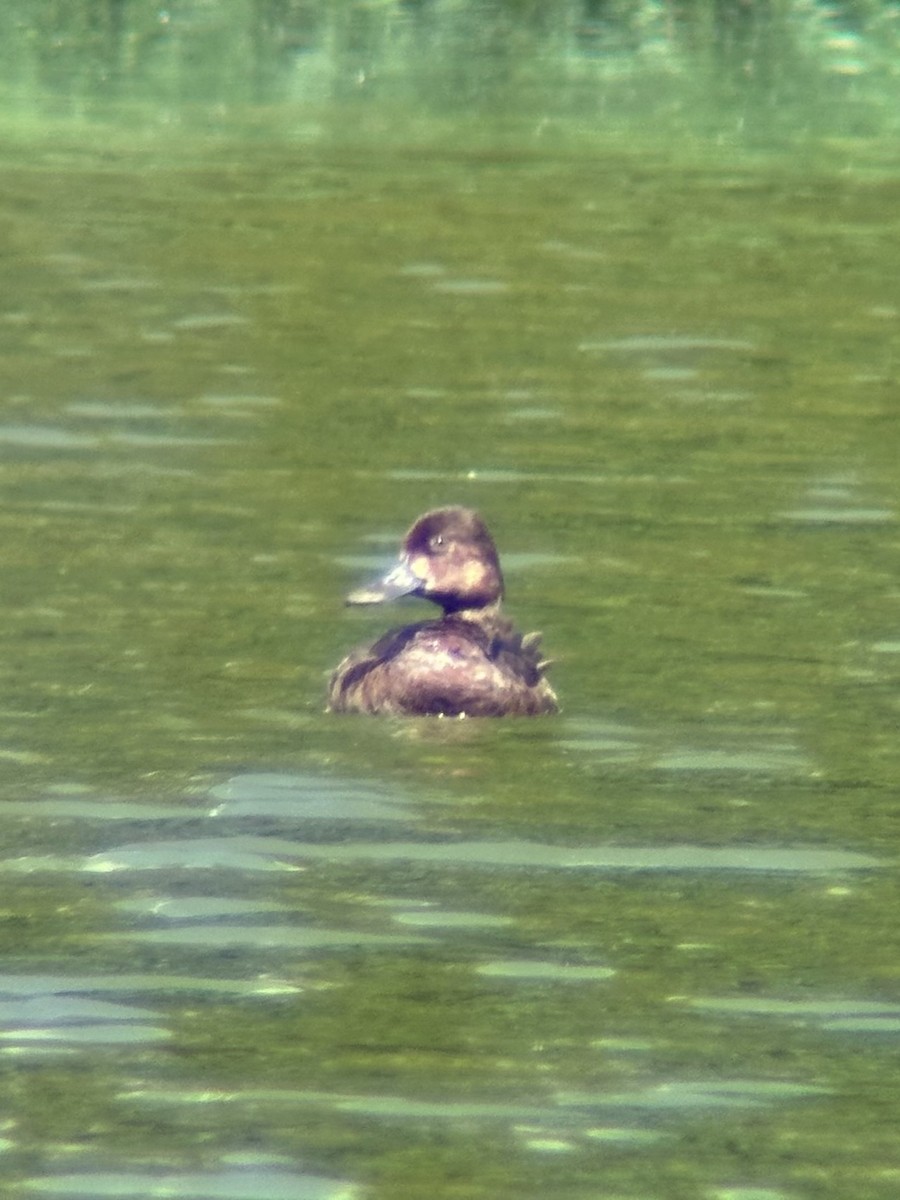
(645, 949)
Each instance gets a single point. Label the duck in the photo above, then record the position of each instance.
(469, 662)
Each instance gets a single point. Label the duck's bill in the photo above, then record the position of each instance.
(399, 581)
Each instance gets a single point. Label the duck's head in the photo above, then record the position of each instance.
(448, 557)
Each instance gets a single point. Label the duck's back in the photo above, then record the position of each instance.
(449, 667)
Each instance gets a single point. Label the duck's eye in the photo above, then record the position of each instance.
(436, 542)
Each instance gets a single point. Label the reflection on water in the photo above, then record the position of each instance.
(656, 344)
(577, 1116)
(838, 500)
(47, 1018)
(245, 1181)
(540, 969)
(251, 950)
(63, 1021)
(293, 801)
(48, 438)
(846, 1016)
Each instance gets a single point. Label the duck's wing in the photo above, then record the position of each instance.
(360, 662)
(519, 654)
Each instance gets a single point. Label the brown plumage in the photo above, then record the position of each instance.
(470, 662)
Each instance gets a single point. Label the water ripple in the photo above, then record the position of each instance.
(280, 854)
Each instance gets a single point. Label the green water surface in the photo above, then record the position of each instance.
(233, 371)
